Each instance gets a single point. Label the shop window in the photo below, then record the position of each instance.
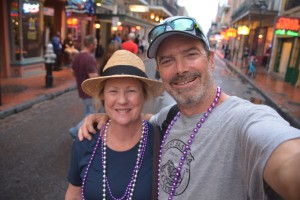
(25, 22)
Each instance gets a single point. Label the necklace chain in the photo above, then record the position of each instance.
(140, 155)
(187, 147)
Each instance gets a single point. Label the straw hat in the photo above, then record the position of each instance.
(122, 64)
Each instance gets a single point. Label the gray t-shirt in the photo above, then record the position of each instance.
(228, 155)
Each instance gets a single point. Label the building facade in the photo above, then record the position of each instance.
(267, 29)
(29, 25)
(285, 60)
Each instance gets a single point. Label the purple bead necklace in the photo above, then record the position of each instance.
(187, 147)
(141, 152)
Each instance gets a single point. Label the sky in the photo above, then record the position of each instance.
(203, 11)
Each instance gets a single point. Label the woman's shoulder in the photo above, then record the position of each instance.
(87, 144)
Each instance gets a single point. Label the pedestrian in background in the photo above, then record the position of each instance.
(84, 66)
(111, 48)
(143, 45)
(245, 57)
(69, 47)
(57, 48)
(130, 45)
(117, 163)
(217, 146)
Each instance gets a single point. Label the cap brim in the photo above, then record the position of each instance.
(92, 86)
(151, 53)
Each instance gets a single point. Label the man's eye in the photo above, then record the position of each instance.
(191, 54)
(165, 62)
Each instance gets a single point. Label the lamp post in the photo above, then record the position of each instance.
(262, 8)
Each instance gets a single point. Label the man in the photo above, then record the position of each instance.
(84, 66)
(218, 146)
(57, 48)
(130, 45)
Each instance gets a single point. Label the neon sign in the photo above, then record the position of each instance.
(31, 7)
(288, 32)
(287, 26)
(72, 22)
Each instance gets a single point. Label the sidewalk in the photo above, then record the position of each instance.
(18, 94)
(284, 97)
(21, 93)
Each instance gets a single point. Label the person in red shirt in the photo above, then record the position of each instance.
(129, 45)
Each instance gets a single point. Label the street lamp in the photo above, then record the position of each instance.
(262, 7)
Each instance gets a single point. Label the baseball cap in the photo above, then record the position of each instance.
(174, 25)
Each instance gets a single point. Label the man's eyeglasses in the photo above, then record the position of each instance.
(179, 24)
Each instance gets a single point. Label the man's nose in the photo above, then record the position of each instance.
(180, 66)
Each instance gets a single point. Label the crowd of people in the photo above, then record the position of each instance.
(210, 145)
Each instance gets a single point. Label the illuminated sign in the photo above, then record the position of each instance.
(243, 30)
(231, 32)
(286, 23)
(14, 11)
(72, 22)
(31, 7)
(138, 8)
(288, 32)
(287, 26)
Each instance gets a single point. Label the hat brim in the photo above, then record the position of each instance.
(151, 53)
(93, 86)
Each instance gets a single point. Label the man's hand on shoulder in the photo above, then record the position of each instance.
(90, 122)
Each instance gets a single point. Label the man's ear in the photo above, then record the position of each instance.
(212, 60)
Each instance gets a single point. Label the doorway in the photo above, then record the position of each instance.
(285, 55)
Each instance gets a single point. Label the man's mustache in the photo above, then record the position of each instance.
(185, 76)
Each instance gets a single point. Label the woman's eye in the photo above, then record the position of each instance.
(112, 91)
(132, 90)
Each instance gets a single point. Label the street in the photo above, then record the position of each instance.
(35, 144)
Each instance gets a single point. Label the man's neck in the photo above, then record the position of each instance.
(202, 106)
(87, 50)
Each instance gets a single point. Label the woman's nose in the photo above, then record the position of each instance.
(122, 99)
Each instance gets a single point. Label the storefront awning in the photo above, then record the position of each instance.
(162, 9)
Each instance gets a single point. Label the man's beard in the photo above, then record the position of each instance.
(194, 95)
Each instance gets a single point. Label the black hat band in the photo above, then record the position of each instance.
(124, 70)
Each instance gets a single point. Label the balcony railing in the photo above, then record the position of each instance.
(167, 6)
(291, 4)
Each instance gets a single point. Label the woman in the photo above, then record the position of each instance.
(69, 47)
(117, 162)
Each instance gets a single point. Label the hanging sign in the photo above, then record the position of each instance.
(231, 32)
(31, 7)
(114, 21)
(243, 30)
(287, 26)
